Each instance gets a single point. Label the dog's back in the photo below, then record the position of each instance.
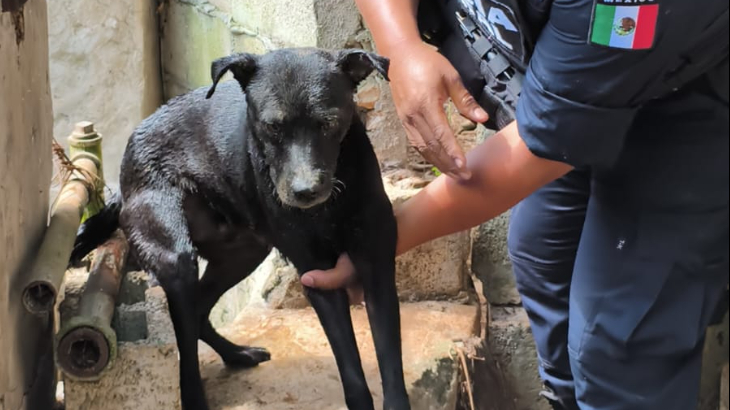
(191, 142)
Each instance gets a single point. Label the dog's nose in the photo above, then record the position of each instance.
(308, 191)
(308, 194)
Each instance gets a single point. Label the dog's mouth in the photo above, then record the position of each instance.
(307, 198)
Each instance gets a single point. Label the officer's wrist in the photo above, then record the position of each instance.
(394, 47)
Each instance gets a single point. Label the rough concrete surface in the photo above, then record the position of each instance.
(434, 270)
(513, 348)
(104, 69)
(26, 127)
(383, 125)
(283, 290)
(191, 40)
(144, 375)
(715, 356)
(303, 374)
(491, 262)
(725, 385)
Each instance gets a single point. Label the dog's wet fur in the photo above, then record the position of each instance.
(278, 158)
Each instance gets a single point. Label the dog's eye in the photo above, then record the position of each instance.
(327, 126)
(273, 128)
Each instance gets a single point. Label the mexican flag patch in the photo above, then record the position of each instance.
(625, 24)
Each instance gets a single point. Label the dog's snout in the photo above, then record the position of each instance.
(308, 189)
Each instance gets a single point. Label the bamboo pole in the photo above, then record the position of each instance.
(46, 274)
(85, 141)
(87, 344)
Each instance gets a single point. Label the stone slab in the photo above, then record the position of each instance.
(303, 374)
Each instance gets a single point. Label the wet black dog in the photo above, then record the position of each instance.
(225, 175)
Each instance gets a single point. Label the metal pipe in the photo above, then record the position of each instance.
(87, 344)
(46, 274)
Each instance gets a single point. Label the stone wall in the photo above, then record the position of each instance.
(25, 172)
(104, 69)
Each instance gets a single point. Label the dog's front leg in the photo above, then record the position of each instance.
(333, 309)
(373, 254)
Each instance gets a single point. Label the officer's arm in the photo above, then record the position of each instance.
(393, 23)
(504, 171)
(578, 102)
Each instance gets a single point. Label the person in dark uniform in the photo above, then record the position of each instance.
(617, 168)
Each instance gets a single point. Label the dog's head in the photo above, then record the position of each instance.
(300, 107)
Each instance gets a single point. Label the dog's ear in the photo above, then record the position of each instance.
(243, 66)
(359, 64)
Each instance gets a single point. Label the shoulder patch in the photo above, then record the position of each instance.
(624, 24)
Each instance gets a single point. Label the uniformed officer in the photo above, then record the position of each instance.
(617, 164)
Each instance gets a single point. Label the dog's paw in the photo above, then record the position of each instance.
(247, 357)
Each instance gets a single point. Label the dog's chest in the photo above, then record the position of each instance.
(309, 241)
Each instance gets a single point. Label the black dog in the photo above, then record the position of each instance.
(227, 174)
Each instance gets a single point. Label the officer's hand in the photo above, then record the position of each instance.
(341, 276)
(422, 80)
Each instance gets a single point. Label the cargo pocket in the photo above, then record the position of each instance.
(619, 312)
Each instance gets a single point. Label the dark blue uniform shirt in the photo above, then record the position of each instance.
(580, 97)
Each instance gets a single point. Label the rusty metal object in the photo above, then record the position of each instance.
(87, 344)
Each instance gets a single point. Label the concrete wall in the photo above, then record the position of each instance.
(26, 127)
(104, 69)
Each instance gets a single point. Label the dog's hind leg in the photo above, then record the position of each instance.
(158, 232)
(224, 272)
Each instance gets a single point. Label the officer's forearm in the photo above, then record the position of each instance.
(393, 23)
(504, 172)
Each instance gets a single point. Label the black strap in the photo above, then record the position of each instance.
(503, 71)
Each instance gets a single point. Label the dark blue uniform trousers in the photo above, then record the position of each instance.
(621, 269)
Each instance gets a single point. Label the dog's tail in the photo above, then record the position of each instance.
(97, 229)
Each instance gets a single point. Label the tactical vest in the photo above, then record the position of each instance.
(500, 36)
